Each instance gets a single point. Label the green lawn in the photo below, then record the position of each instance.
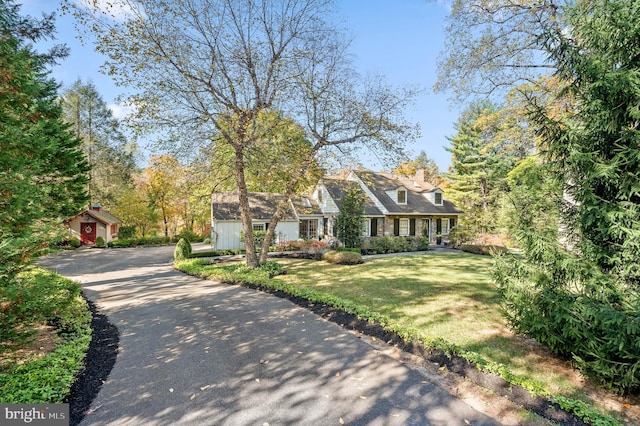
(438, 295)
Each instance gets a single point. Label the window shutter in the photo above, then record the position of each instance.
(412, 227)
(396, 227)
(374, 227)
(438, 225)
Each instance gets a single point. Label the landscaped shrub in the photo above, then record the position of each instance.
(182, 250)
(190, 236)
(144, 241)
(484, 250)
(316, 248)
(578, 312)
(74, 242)
(100, 242)
(386, 244)
(126, 232)
(343, 257)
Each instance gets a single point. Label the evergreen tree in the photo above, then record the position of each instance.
(479, 167)
(42, 168)
(585, 302)
(106, 148)
(350, 219)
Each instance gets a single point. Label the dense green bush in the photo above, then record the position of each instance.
(44, 297)
(74, 242)
(144, 241)
(386, 244)
(182, 250)
(126, 232)
(100, 242)
(343, 257)
(576, 310)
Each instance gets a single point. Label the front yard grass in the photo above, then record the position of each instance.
(445, 300)
(446, 296)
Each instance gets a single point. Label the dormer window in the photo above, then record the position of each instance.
(438, 198)
(402, 196)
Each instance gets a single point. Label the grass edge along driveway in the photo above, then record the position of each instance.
(443, 300)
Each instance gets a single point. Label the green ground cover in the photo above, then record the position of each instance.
(36, 298)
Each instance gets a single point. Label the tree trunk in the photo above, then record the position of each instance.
(245, 212)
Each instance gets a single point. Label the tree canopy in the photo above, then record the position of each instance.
(210, 69)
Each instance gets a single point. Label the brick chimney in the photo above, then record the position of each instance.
(97, 207)
(420, 175)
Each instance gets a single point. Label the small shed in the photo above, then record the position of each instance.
(93, 223)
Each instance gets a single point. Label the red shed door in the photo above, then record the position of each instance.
(88, 232)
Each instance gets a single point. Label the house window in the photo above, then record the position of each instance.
(309, 228)
(258, 226)
(366, 228)
(438, 198)
(402, 196)
(445, 226)
(404, 227)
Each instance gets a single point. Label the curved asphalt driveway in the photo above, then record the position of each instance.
(196, 352)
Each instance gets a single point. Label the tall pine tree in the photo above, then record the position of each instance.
(42, 168)
(478, 168)
(109, 153)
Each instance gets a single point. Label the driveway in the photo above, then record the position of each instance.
(196, 352)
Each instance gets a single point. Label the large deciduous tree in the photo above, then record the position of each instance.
(42, 168)
(209, 69)
(492, 46)
(109, 153)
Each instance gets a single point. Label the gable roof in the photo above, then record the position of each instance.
(262, 206)
(381, 183)
(304, 205)
(337, 189)
(101, 216)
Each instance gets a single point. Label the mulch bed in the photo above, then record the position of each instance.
(100, 359)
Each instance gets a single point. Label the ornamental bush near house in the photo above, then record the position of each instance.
(182, 250)
(74, 242)
(343, 257)
(100, 242)
(385, 244)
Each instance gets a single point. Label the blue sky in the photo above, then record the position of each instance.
(400, 39)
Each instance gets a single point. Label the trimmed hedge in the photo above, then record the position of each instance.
(386, 244)
(343, 257)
